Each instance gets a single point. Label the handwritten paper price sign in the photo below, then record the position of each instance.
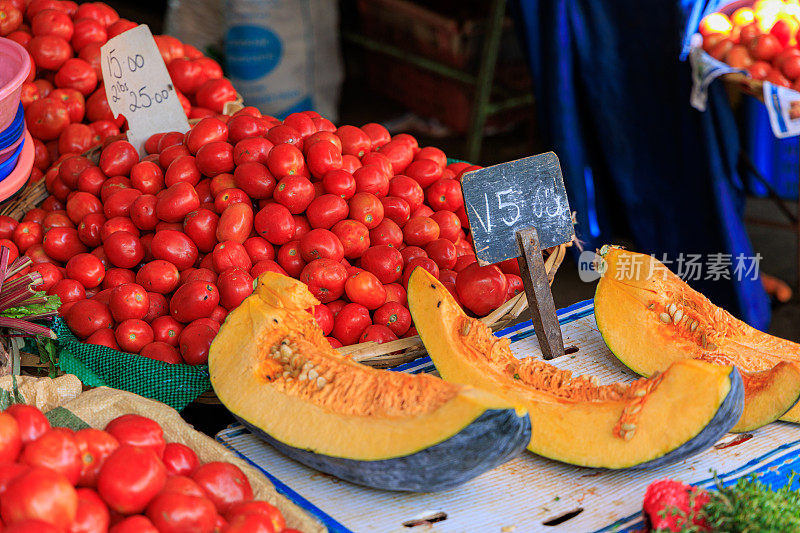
(503, 199)
(138, 86)
(517, 209)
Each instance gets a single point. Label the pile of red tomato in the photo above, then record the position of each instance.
(126, 478)
(65, 104)
(761, 39)
(148, 256)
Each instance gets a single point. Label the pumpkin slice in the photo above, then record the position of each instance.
(647, 423)
(272, 367)
(650, 318)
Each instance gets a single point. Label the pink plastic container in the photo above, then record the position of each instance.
(19, 176)
(15, 63)
(8, 152)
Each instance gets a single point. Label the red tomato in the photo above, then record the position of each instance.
(354, 140)
(250, 523)
(395, 316)
(117, 224)
(138, 430)
(88, 31)
(266, 265)
(193, 300)
(326, 210)
(32, 423)
(88, 316)
(117, 276)
(290, 258)
(56, 450)
(340, 183)
(388, 233)
(259, 249)
(420, 231)
(319, 243)
(295, 193)
(129, 300)
(213, 94)
(407, 189)
(234, 284)
(118, 204)
(179, 459)
(378, 134)
(68, 290)
(92, 514)
(26, 234)
(124, 249)
(75, 73)
(254, 179)
(432, 153)
(215, 158)
(49, 51)
(173, 512)
(87, 269)
(449, 224)
(94, 446)
(364, 288)
(371, 179)
(133, 334)
(10, 439)
(323, 316)
(161, 351)
(424, 171)
(323, 156)
(7, 226)
(283, 134)
(377, 333)
(158, 276)
(134, 524)
(253, 149)
(159, 306)
(201, 227)
(481, 288)
(224, 484)
(130, 478)
(147, 177)
(367, 209)
(325, 279)
(76, 138)
(350, 322)
(354, 237)
(230, 254)
(285, 160)
(50, 275)
(62, 244)
(40, 494)
(118, 158)
(235, 223)
(443, 253)
(275, 223)
(167, 330)
(396, 209)
(206, 131)
(423, 262)
(46, 118)
(175, 247)
(195, 342)
(385, 262)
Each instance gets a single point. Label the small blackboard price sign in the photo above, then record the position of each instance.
(517, 209)
(503, 199)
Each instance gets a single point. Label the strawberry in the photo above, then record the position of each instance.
(672, 506)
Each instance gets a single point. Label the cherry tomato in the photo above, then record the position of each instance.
(138, 430)
(193, 300)
(40, 494)
(325, 279)
(195, 342)
(130, 478)
(350, 322)
(56, 450)
(481, 288)
(94, 446)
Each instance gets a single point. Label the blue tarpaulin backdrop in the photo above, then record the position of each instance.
(613, 103)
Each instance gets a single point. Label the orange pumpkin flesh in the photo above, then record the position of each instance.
(650, 318)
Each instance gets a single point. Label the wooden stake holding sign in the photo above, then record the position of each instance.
(517, 209)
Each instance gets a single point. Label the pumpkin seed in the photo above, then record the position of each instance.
(465, 327)
(665, 318)
(640, 393)
(712, 346)
(302, 376)
(321, 382)
(312, 375)
(286, 374)
(693, 326)
(635, 409)
(628, 435)
(672, 309)
(628, 427)
(678, 315)
(286, 351)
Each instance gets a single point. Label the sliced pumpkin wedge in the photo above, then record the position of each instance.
(272, 367)
(674, 322)
(647, 423)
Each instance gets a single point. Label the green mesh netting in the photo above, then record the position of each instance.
(96, 366)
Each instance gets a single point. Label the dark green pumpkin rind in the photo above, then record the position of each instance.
(493, 438)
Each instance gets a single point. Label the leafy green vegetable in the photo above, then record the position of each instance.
(751, 506)
(50, 304)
